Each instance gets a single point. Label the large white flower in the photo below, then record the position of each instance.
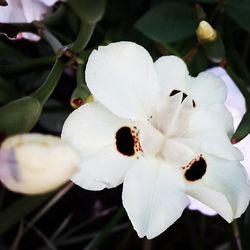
(160, 132)
(235, 102)
(25, 11)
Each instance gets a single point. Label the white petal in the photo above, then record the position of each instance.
(102, 169)
(153, 197)
(215, 143)
(28, 36)
(172, 73)
(91, 130)
(33, 10)
(197, 205)
(206, 89)
(48, 2)
(13, 13)
(235, 101)
(224, 187)
(174, 109)
(214, 117)
(122, 77)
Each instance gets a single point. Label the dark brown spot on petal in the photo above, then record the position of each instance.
(184, 96)
(125, 141)
(194, 104)
(174, 92)
(196, 169)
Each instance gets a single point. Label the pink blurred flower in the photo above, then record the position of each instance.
(25, 11)
(235, 102)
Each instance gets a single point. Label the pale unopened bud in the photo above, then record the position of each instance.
(205, 32)
(35, 163)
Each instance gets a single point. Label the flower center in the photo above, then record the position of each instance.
(195, 169)
(127, 141)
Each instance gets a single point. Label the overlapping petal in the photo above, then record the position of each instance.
(172, 73)
(91, 130)
(224, 187)
(122, 77)
(153, 196)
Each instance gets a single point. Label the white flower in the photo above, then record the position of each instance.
(160, 132)
(25, 11)
(235, 102)
(34, 163)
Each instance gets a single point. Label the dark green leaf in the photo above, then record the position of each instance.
(53, 116)
(239, 11)
(168, 22)
(7, 91)
(88, 10)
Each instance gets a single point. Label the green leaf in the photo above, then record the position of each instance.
(168, 22)
(54, 116)
(88, 10)
(21, 208)
(7, 91)
(239, 11)
(244, 127)
(19, 116)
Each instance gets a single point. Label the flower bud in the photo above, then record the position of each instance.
(79, 96)
(19, 116)
(35, 163)
(205, 32)
(210, 41)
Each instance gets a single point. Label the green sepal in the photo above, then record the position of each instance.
(19, 116)
(214, 49)
(243, 129)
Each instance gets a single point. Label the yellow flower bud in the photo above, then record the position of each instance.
(205, 32)
(35, 163)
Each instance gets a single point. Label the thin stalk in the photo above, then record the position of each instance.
(83, 37)
(52, 40)
(100, 237)
(43, 93)
(236, 234)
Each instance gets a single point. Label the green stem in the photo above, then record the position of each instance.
(236, 234)
(52, 40)
(27, 65)
(43, 93)
(83, 37)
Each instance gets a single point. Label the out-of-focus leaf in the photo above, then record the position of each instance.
(19, 116)
(21, 208)
(198, 63)
(239, 11)
(244, 127)
(168, 22)
(7, 91)
(10, 54)
(53, 116)
(209, 1)
(88, 10)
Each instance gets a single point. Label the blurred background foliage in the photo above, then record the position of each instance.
(73, 218)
